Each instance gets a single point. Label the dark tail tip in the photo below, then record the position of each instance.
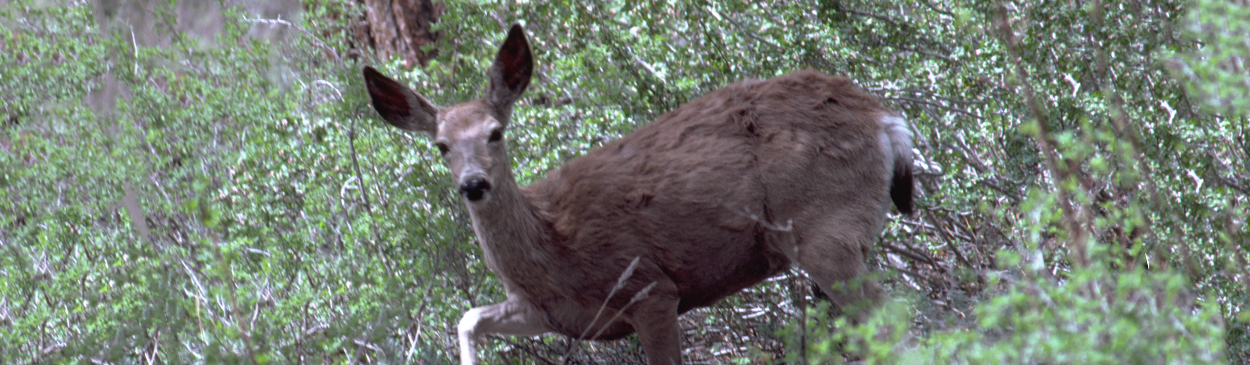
(901, 189)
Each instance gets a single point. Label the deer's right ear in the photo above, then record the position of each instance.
(399, 105)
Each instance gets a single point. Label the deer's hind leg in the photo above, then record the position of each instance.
(658, 329)
(833, 252)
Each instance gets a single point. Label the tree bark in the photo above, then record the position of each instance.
(401, 28)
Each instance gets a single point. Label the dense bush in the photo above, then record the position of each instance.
(205, 182)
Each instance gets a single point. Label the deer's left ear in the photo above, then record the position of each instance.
(510, 74)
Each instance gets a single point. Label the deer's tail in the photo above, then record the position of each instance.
(896, 144)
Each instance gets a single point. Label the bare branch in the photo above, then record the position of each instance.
(871, 15)
(926, 102)
(752, 34)
(926, 53)
(906, 252)
(935, 9)
(310, 35)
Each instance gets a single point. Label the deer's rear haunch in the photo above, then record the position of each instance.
(710, 198)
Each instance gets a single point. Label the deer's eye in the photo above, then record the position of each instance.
(496, 135)
(442, 148)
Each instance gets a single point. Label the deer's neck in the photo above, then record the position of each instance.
(513, 237)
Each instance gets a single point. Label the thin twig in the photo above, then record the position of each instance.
(310, 35)
(526, 348)
(620, 283)
(995, 187)
(926, 53)
(135, 44)
(752, 34)
(1229, 182)
(926, 102)
(351, 143)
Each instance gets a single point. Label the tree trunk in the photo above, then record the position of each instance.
(401, 27)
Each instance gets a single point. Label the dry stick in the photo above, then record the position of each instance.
(620, 283)
(526, 348)
(950, 240)
(954, 245)
(642, 294)
(918, 276)
(907, 251)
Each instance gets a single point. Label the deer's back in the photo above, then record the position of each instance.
(689, 191)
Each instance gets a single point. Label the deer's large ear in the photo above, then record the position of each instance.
(510, 73)
(399, 105)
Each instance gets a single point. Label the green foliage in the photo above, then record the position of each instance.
(175, 194)
(1096, 317)
(1117, 204)
(1216, 68)
(168, 195)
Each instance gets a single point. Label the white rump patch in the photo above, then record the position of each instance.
(895, 142)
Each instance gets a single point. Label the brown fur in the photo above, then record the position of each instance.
(703, 196)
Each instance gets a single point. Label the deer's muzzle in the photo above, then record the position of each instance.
(475, 188)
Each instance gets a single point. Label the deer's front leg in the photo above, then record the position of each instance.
(508, 318)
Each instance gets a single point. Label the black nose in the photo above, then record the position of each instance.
(475, 188)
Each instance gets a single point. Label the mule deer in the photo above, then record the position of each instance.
(692, 197)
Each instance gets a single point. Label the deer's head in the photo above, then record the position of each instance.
(469, 135)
